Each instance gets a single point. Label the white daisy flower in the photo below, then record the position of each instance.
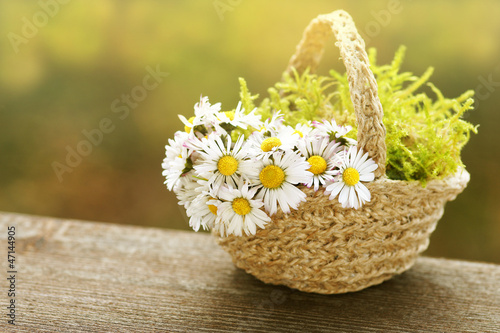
(186, 190)
(204, 116)
(303, 130)
(275, 123)
(238, 118)
(320, 154)
(354, 168)
(195, 144)
(174, 147)
(334, 131)
(188, 123)
(203, 211)
(276, 176)
(264, 146)
(178, 169)
(178, 161)
(240, 211)
(203, 109)
(221, 163)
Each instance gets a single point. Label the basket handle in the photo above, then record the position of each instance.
(362, 83)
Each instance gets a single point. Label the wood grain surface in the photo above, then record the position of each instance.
(75, 276)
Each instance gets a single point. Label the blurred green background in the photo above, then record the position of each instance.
(67, 65)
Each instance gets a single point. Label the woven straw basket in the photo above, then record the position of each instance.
(322, 247)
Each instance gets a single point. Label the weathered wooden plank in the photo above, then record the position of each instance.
(95, 277)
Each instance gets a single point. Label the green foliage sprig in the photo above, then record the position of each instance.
(424, 135)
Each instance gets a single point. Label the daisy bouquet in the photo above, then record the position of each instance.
(331, 184)
(233, 170)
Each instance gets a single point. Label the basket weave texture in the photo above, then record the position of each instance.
(327, 249)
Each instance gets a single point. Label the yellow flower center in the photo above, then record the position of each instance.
(241, 206)
(299, 133)
(230, 115)
(213, 209)
(318, 164)
(270, 143)
(350, 176)
(272, 176)
(227, 165)
(187, 129)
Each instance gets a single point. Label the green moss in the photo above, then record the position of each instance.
(424, 135)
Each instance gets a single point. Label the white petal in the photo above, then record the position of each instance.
(360, 159)
(224, 194)
(270, 202)
(351, 155)
(344, 196)
(367, 177)
(261, 216)
(352, 197)
(250, 225)
(363, 192)
(283, 203)
(335, 189)
(368, 166)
